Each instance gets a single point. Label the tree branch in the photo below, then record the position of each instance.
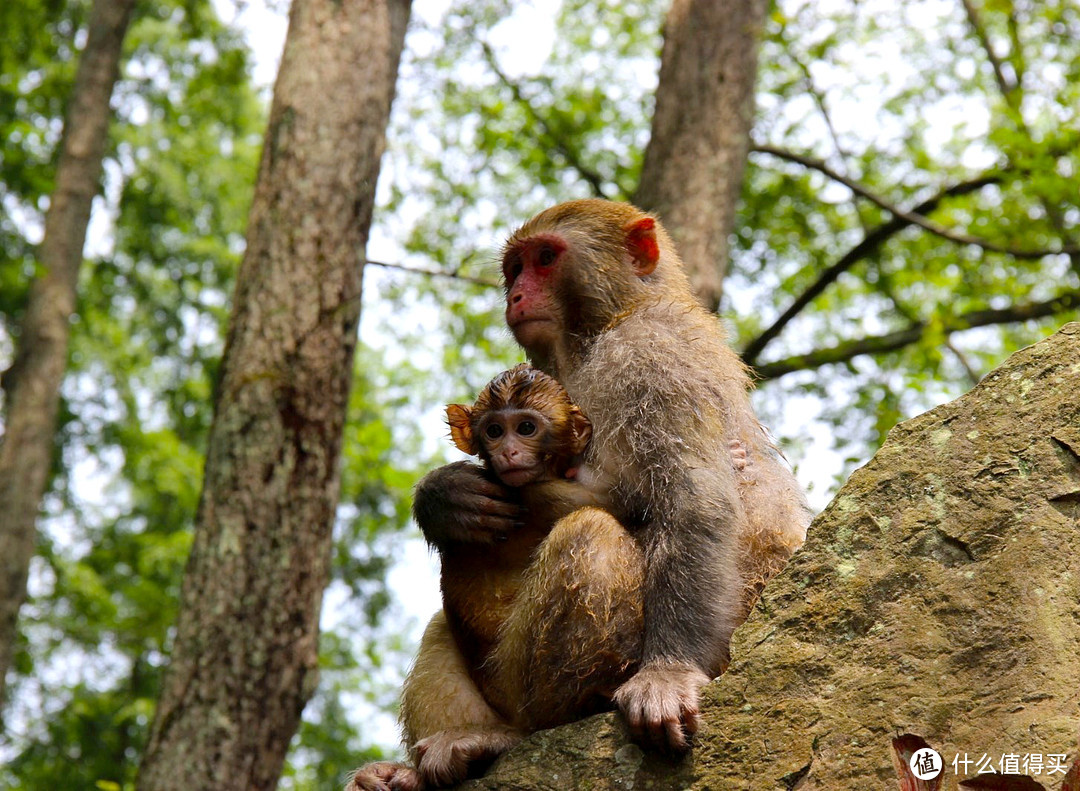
(436, 273)
(560, 144)
(1005, 85)
(1013, 95)
(870, 243)
(913, 218)
(892, 341)
(972, 374)
(819, 100)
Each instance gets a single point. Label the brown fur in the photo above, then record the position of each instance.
(614, 321)
(480, 584)
(634, 604)
(562, 656)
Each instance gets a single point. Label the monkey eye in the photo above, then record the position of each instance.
(513, 271)
(546, 256)
(494, 431)
(526, 428)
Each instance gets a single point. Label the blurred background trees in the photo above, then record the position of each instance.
(909, 216)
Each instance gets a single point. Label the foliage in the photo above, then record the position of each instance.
(495, 118)
(900, 100)
(137, 395)
(922, 74)
(36, 72)
(139, 392)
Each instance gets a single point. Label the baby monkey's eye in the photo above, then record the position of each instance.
(526, 428)
(547, 256)
(494, 431)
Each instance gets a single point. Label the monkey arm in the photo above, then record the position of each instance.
(460, 503)
(688, 521)
(550, 501)
(692, 583)
(691, 599)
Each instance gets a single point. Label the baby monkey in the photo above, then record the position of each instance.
(523, 427)
(529, 436)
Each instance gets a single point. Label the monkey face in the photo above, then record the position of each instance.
(512, 442)
(530, 269)
(573, 269)
(523, 427)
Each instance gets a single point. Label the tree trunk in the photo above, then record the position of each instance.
(692, 175)
(245, 658)
(32, 383)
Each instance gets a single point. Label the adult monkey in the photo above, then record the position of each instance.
(597, 297)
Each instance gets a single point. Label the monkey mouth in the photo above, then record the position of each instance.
(516, 322)
(517, 476)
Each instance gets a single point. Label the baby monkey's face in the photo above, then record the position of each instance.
(523, 426)
(515, 444)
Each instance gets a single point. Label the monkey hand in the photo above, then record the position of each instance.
(660, 704)
(457, 503)
(385, 776)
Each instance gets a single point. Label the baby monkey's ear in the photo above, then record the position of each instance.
(581, 429)
(459, 417)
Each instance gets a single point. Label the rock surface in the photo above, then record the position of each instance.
(939, 595)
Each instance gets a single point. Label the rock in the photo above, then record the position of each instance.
(937, 595)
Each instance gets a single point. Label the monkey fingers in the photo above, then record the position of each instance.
(740, 459)
(660, 704)
(385, 776)
(446, 758)
(491, 513)
(457, 503)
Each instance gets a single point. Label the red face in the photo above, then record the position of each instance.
(531, 270)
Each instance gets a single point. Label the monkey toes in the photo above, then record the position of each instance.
(446, 758)
(740, 460)
(385, 776)
(660, 704)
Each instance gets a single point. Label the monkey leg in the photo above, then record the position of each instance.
(777, 516)
(575, 633)
(449, 729)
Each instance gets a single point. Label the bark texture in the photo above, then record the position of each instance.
(245, 658)
(937, 596)
(32, 383)
(694, 163)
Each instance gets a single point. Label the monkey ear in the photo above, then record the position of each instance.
(459, 417)
(581, 429)
(642, 245)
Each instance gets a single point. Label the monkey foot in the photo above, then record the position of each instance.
(660, 704)
(385, 776)
(446, 758)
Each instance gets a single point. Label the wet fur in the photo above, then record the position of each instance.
(633, 604)
(667, 396)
